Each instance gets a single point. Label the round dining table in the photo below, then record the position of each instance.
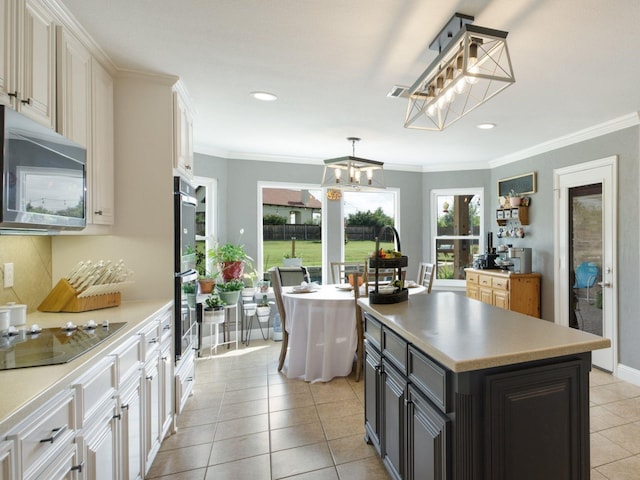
(321, 324)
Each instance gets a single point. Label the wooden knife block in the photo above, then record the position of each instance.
(64, 298)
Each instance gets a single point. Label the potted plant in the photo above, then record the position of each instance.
(207, 281)
(214, 309)
(230, 291)
(263, 310)
(232, 258)
(189, 290)
(514, 198)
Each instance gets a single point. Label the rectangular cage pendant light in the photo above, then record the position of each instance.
(353, 173)
(473, 66)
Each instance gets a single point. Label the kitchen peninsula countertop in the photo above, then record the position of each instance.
(464, 334)
(24, 389)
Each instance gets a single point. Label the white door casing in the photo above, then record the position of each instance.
(602, 171)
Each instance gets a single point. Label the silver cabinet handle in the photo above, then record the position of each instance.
(605, 284)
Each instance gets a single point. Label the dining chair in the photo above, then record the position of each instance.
(426, 272)
(291, 276)
(276, 284)
(359, 329)
(340, 270)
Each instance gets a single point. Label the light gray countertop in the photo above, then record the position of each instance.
(24, 389)
(464, 334)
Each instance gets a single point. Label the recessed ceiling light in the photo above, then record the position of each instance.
(486, 126)
(264, 96)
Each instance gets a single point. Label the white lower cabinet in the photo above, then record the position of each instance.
(44, 435)
(64, 466)
(7, 461)
(152, 421)
(131, 428)
(107, 423)
(97, 443)
(185, 380)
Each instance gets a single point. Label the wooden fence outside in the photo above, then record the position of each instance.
(314, 232)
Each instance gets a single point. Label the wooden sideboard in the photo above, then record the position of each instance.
(518, 292)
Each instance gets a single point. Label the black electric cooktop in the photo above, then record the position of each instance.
(50, 346)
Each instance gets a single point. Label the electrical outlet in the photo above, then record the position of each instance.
(8, 275)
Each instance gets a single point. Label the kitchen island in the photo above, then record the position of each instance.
(458, 389)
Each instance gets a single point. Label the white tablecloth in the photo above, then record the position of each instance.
(322, 333)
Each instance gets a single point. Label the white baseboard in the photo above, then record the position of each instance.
(628, 374)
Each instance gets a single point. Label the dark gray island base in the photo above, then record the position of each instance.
(447, 398)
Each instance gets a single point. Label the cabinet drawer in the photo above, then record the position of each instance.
(150, 336)
(472, 277)
(373, 331)
(94, 387)
(166, 324)
(484, 280)
(185, 378)
(501, 283)
(431, 378)
(395, 349)
(45, 433)
(129, 358)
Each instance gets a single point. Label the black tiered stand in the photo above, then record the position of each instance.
(375, 262)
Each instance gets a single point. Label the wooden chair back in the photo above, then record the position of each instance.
(426, 273)
(291, 276)
(276, 283)
(340, 270)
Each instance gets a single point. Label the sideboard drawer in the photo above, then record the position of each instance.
(472, 277)
(501, 283)
(484, 280)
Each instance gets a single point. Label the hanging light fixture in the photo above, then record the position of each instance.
(352, 172)
(473, 65)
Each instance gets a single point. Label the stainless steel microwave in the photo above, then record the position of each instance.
(43, 177)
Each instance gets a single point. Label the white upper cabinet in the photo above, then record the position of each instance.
(28, 67)
(101, 209)
(74, 88)
(183, 133)
(85, 115)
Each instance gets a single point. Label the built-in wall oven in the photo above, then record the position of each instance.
(186, 327)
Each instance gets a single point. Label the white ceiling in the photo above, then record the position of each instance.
(332, 62)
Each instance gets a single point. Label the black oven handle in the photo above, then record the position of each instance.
(188, 276)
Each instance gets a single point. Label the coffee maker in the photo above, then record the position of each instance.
(488, 260)
(521, 259)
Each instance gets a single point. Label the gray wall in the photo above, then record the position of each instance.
(238, 199)
(626, 145)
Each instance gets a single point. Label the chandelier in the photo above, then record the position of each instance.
(352, 172)
(473, 65)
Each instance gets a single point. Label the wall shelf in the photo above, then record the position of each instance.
(517, 214)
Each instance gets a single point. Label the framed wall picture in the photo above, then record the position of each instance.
(522, 185)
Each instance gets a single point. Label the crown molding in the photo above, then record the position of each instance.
(595, 131)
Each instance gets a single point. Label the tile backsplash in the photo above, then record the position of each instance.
(31, 258)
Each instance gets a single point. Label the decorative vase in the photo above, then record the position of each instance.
(230, 298)
(191, 300)
(206, 284)
(232, 270)
(514, 201)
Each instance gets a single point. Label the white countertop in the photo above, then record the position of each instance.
(464, 334)
(23, 387)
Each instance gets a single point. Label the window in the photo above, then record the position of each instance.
(365, 213)
(457, 230)
(291, 217)
(206, 233)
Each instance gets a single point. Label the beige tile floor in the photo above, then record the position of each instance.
(247, 421)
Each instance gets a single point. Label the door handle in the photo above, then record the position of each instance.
(605, 284)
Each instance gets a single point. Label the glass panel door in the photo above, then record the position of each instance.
(585, 258)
